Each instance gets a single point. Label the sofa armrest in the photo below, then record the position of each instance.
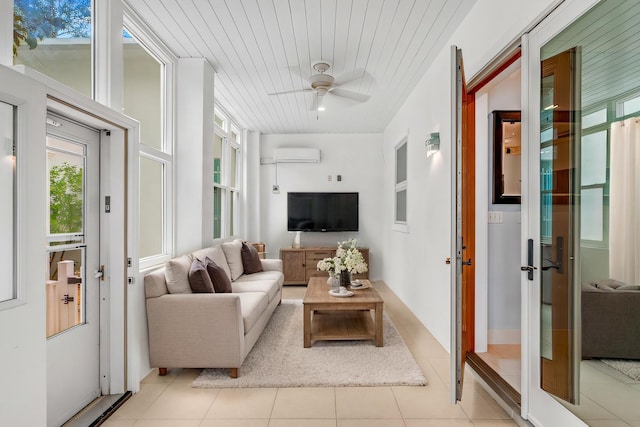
(195, 331)
(271, 264)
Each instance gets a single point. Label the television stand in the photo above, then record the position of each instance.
(300, 264)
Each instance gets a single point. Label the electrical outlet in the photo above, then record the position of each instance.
(339, 177)
(275, 189)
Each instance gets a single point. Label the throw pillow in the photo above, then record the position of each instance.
(250, 259)
(216, 254)
(199, 278)
(176, 273)
(218, 276)
(232, 252)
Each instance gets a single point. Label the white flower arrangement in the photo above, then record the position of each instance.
(348, 258)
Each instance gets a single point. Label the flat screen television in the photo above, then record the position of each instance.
(322, 211)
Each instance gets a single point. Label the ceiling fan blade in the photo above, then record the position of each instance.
(344, 93)
(313, 105)
(359, 75)
(290, 91)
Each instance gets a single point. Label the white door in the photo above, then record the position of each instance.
(549, 224)
(72, 319)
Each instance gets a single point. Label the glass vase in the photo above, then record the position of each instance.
(345, 278)
(333, 282)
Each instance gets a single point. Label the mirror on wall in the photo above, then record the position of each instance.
(507, 148)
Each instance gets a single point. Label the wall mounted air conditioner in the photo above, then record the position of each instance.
(296, 155)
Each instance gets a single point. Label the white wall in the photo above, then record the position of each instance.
(414, 263)
(193, 193)
(501, 242)
(251, 184)
(357, 157)
(504, 238)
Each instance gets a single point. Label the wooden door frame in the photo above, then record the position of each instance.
(469, 196)
(500, 386)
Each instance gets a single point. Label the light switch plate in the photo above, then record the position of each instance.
(495, 217)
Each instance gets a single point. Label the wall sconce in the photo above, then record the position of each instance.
(433, 144)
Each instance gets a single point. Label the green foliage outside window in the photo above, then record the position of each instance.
(35, 20)
(65, 192)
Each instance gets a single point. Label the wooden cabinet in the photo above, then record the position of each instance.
(300, 264)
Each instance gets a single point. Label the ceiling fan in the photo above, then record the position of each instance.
(322, 84)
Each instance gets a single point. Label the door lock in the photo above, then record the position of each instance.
(99, 273)
(67, 299)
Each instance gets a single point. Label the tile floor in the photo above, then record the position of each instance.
(170, 401)
(607, 397)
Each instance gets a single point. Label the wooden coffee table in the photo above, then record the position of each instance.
(334, 318)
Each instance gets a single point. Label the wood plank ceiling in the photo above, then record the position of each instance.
(377, 49)
(609, 40)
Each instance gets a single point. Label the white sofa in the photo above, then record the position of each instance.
(209, 330)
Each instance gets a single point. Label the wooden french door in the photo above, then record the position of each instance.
(463, 166)
(559, 223)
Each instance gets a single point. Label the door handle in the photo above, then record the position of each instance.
(529, 267)
(552, 265)
(556, 265)
(467, 262)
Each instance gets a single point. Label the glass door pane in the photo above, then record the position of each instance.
(65, 238)
(559, 201)
(7, 208)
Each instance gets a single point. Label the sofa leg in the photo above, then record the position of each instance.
(162, 371)
(233, 372)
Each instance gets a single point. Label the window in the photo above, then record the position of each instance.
(55, 38)
(400, 202)
(145, 82)
(227, 161)
(625, 107)
(8, 288)
(594, 189)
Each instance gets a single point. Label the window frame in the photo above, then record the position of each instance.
(400, 186)
(165, 155)
(231, 194)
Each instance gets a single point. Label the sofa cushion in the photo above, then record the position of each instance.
(609, 284)
(268, 287)
(628, 288)
(253, 305)
(232, 252)
(275, 276)
(218, 276)
(250, 259)
(199, 278)
(177, 274)
(216, 254)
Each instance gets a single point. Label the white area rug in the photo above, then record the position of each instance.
(630, 368)
(279, 359)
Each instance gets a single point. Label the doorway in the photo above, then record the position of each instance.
(73, 268)
(498, 176)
